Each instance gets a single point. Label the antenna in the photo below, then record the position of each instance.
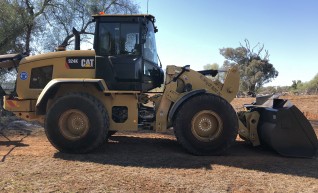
(147, 5)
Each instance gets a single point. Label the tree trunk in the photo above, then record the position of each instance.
(28, 38)
(2, 93)
(251, 90)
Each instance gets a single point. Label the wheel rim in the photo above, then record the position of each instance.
(206, 125)
(73, 124)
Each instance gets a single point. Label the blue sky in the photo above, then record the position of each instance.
(192, 32)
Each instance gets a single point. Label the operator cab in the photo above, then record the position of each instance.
(126, 53)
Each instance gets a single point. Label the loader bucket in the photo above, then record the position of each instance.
(285, 129)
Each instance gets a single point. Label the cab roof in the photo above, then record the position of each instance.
(124, 15)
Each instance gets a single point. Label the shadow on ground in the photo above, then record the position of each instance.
(11, 144)
(167, 153)
(16, 143)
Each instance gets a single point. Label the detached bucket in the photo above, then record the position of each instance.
(286, 130)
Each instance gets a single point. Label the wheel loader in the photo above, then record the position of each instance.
(84, 96)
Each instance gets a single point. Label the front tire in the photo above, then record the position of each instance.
(206, 125)
(76, 123)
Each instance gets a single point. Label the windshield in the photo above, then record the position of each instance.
(119, 39)
(150, 49)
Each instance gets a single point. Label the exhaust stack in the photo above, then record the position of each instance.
(77, 39)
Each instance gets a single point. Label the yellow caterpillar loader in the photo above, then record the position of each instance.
(84, 96)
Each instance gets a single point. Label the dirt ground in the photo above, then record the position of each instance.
(149, 162)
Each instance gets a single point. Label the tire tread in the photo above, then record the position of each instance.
(181, 113)
(105, 124)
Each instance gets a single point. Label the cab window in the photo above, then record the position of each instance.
(119, 39)
(149, 47)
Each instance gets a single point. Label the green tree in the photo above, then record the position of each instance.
(313, 85)
(220, 76)
(36, 26)
(11, 27)
(295, 84)
(310, 87)
(255, 69)
(267, 90)
(41, 25)
(213, 66)
(67, 14)
(25, 19)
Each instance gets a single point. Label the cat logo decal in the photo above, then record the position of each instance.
(80, 62)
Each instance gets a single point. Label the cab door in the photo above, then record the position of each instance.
(119, 55)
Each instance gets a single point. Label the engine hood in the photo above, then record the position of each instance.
(54, 55)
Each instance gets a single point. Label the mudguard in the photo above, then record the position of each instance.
(285, 129)
(181, 100)
(50, 89)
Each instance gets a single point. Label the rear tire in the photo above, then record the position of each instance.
(206, 125)
(76, 123)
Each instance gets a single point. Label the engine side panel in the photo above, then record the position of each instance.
(36, 71)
